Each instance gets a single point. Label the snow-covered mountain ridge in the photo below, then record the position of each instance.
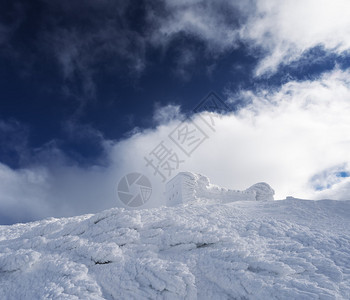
(289, 249)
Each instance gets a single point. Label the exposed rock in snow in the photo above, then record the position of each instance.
(290, 249)
(187, 186)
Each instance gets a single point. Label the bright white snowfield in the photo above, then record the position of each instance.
(207, 247)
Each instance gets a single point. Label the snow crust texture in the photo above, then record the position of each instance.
(290, 249)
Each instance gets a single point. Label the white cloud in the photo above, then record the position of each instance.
(284, 137)
(167, 113)
(330, 177)
(206, 20)
(284, 30)
(287, 29)
(340, 190)
(23, 194)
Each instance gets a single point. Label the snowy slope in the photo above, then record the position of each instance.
(290, 249)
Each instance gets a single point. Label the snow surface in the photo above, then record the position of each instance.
(289, 249)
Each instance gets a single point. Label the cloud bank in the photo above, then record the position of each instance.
(292, 137)
(288, 29)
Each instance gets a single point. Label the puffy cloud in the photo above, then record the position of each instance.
(288, 29)
(287, 136)
(23, 195)
(330, 177)
(281, 32)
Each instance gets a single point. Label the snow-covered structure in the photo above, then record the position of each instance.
(187, 186)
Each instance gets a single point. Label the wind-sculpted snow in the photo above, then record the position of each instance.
(290, 249)
(188, 187)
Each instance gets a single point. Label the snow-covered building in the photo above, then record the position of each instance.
(187, 186)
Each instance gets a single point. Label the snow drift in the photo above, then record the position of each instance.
(289, 249)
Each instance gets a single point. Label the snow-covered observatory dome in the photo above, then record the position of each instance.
(263, 191)
(186, 187)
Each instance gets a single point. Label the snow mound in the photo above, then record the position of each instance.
(289, 249)
(187, 186)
